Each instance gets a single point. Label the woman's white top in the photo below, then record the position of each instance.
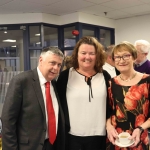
(87, 118)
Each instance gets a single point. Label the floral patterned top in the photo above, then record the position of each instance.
(130, 108)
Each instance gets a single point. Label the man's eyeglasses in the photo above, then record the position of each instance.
(124, 57)
(139, 52)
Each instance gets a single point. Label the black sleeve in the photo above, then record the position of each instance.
(107, 79)
(61, 84)
(61, 89)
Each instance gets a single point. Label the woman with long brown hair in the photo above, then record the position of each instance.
(83, 93)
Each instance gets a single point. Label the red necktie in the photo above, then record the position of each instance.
(50, 114)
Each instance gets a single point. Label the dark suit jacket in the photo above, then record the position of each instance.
(23, 115)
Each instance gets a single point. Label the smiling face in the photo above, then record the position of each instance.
(86, 57)
(49, 65)
(123, 61)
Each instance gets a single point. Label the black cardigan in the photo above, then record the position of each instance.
(61, 88)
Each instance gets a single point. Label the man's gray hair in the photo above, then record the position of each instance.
(144, 45)
(52, 50)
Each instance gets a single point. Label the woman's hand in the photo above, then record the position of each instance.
(112, 134)
(136, 137)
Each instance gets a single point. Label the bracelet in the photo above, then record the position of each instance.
(141, 129)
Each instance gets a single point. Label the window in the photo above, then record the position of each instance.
(50, 36)
(34, 56)
(69, 39)
(35, 36)
(88, 30)
(105, 37)
(68, 52)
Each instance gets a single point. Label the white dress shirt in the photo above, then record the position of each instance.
(53, 96)
(110, 69)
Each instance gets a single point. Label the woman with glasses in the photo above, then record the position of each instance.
(129, 95)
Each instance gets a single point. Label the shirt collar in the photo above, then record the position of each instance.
(41, 77)
(110, 66)
(140, 64)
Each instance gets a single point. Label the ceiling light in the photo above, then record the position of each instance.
(5, 31)
(37, 34)
(13, 46)
(9, 40)
(38, 43)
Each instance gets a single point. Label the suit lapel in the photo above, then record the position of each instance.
(38, 91)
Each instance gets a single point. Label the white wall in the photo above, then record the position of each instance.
(132, 29)
(20, 18)
(87, 18)
(96, 20)
(54, 19)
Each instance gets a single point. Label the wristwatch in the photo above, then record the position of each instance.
(141, 129)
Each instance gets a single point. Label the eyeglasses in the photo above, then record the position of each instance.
(124, 57)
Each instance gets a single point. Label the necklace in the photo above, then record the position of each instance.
(129, 78)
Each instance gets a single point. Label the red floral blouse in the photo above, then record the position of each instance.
(130, 108)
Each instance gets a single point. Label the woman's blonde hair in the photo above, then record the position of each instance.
(125, 46)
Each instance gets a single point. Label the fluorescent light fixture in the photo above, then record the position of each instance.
(38, 43)
(9, 40)
(37, 34)
(13, 46)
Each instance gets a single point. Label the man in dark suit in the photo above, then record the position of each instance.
(25, 120)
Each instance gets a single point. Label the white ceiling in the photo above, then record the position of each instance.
(114, 9)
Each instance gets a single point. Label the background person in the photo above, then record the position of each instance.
(26, 123)
(142, 64)
(83, 93)
(109, 65)
(129, 100)
(67, 63)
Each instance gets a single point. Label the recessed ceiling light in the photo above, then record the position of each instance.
(13, 46)
(5, 31)
(9, 40)
(37, 34)
(38, 43)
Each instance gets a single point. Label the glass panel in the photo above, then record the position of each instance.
(11, 50)
(11, 59)
(35, 36)
(50, 36)
(105, 37)
(69, 39)
(68, 52)
(34, 56)
(87, 32)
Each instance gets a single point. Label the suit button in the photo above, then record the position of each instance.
(44, 130)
